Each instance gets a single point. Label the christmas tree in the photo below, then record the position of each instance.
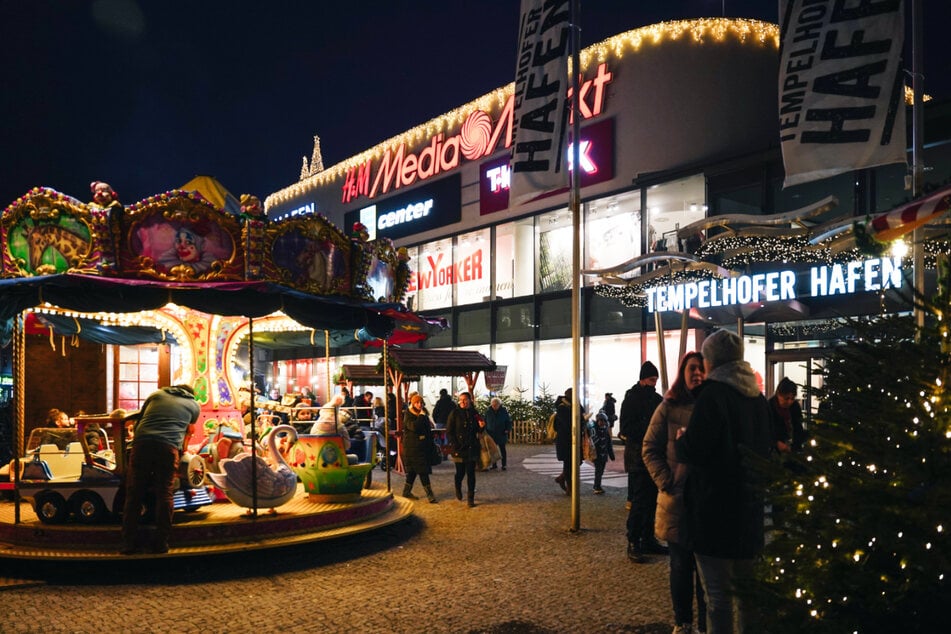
(860, 537)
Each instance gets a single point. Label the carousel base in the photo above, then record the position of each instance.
(220, 528)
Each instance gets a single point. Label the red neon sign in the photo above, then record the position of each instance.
(476, 139)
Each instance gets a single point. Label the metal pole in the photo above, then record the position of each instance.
(683, 337)
(661, 349)
(386, 416)
(19, 391)
(917, 83)
(577, 392)
(254, 438)
(327, 363)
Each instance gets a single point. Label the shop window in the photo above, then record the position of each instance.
(433, 268)
(515, 259)
(553, 245)
(555, 318)
(554, 367)
(519, 362)
(671, 206)
(612, 232)
(443, 338)
(138, 375)
(473, 327)
(798, 196)
(471, 273)
(515, 322)
(609, 316)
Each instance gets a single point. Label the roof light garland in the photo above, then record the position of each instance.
(701, 31)
(635, 295)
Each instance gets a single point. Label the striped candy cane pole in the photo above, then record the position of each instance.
(907, 218)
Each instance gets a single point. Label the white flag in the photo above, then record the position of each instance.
(541, 100)
(841, 90)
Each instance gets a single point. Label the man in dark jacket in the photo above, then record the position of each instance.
(636, 410)
(442, 408)
(723, 498)
(165, 426)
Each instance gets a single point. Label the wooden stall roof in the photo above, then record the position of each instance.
(364, 375)
(423, 362)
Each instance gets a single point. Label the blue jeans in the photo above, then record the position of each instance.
(725, 613)
(684, 580)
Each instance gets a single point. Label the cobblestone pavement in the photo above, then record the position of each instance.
(508, 565)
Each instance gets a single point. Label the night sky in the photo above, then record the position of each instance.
(145, 95)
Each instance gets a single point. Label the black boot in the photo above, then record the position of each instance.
(429, 494)
(459, 492)
(471, 502)
(634, 553)
(408, 492)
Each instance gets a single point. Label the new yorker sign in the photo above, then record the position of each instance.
(477, 138)
(823, 281)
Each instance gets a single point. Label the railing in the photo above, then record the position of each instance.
(527, 432)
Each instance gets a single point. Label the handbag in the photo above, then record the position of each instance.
(435, 453)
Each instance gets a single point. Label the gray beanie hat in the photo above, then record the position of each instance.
(722, 347)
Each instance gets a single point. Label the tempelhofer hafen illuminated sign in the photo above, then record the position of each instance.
(837, 279)
(477, 138)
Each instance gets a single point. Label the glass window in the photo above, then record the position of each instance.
(434, 274)
(519, 361)
(553, 245)
(138, 375)
(612, 232)
(554, 366)
(443, 338)
(671, 206)
(613, 367)
(473, 326)
(471, 272)
(609, 316)
(555, 318)
(515, 322)
(515, 259)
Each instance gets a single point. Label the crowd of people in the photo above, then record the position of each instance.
(691, 493)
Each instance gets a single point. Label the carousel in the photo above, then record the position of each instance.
(184, 267)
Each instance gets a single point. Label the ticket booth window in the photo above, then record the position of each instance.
(139, 372)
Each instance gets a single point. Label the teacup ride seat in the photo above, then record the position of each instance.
(329, 474)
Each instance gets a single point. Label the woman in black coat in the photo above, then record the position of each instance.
(463, 429)
(417, 441)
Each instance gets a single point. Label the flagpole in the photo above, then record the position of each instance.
(575, 198)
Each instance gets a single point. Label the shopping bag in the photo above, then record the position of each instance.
(494, 453)
(588, 450)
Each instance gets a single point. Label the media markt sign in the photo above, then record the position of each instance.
(824, 281)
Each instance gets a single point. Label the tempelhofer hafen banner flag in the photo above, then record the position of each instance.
(841, 90)
(541, 100)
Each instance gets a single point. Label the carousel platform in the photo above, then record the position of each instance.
(220, 528)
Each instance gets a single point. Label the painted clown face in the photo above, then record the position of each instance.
(187, 246)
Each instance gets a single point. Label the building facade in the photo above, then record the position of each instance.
(679, 123)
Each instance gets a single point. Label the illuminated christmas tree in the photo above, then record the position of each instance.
(862, 516)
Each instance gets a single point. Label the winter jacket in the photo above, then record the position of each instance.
(167, 415)
(636, 410)
(462, 431)
(668, 473)
(442, 410)
(498, 423)
(563, 429)
(794, 435)
(723, 499)
(417, 439)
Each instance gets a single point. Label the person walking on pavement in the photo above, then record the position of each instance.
(600, 431)
(670, 419)
(463, 429)
(443, 407)
(499, 425)
(724, 500)
(636, 410)
(563, 440)
(166, 423)
(417, 440)
(608, 407)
